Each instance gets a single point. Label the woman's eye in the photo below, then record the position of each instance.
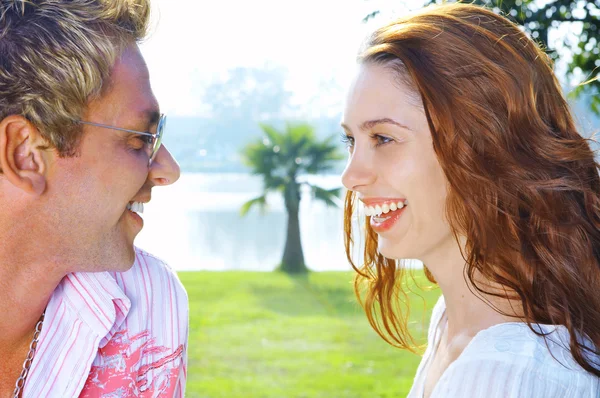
(347, 140)
(381, 140)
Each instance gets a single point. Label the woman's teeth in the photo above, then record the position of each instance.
(136, 207)
(378, 210)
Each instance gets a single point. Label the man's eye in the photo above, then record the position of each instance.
(139, 142)
(148, 140)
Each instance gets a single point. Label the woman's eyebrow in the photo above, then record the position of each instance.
(369, 124)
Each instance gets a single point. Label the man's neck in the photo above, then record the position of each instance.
(26, 286)
(25, 289)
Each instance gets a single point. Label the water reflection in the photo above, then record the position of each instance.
(195, 225)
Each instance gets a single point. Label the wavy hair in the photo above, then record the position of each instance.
(56, 56)
(524, 188)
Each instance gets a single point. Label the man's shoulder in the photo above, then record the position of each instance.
(157, 264)
(150, 276)
(153, 265)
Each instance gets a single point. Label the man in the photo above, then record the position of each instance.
(80, 152)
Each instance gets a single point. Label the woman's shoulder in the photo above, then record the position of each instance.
(436, 316)
(498, 378)
(545, 345)
(510, 360)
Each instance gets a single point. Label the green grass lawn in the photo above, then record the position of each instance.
(272, 335)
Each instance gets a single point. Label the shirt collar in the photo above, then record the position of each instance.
(83, 314)
(98, 301)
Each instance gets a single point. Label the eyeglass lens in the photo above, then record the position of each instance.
(159, 135)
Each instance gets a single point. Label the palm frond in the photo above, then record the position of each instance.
(280, 156)
(331, 197)
(323, 156)
(299, 138)
(260, 201)
(272, 134)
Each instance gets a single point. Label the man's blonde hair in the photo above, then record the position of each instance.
(57, 55)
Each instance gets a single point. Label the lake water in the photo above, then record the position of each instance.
(195, 225)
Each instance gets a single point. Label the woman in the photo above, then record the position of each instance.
(464, 154)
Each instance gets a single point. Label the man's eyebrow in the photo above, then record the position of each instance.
(152, 116)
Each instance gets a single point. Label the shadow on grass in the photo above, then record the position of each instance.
(306, 297)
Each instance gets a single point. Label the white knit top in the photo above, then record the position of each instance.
(507, 361)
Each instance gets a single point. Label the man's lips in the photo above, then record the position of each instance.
(137, 205)
(142, 199)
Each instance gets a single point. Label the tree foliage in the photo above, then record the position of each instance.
(280, 158)
(576, 21)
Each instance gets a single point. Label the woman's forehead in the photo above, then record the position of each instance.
(377, 93)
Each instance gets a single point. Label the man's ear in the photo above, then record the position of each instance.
(21, 160)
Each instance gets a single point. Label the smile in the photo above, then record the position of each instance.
(136, 207)
(384, 214)
(384, 208)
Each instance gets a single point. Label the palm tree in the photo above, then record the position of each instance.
(280, 158)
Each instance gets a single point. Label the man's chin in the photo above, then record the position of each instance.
(128, 259)
(111, 260)
(117, 260)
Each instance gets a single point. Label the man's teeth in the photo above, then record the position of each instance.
(136, 207)
(377, 210)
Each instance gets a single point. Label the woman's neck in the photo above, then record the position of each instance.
(468, 311)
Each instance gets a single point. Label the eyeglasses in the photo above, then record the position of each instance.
(154, 141)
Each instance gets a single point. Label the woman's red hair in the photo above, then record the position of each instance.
(524, 188)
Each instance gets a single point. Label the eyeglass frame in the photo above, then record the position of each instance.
(160, 127)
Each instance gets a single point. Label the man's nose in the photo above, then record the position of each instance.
(164, 169)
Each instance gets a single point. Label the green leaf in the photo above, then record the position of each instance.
(539, 18)
(331, 197)
(281, 156)
(260, 201)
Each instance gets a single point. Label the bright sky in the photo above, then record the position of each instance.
(193, 42)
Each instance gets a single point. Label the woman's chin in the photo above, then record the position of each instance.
(394, 250)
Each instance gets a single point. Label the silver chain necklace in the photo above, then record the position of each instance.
(27, 364)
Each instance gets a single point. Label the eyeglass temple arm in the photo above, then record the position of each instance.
(118, 128)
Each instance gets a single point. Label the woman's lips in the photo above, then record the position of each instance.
(386, 221)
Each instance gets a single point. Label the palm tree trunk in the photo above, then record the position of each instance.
(293, 257)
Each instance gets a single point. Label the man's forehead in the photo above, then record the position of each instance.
(129, 89)
(131, 65)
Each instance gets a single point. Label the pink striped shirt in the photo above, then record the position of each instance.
(114, 334)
